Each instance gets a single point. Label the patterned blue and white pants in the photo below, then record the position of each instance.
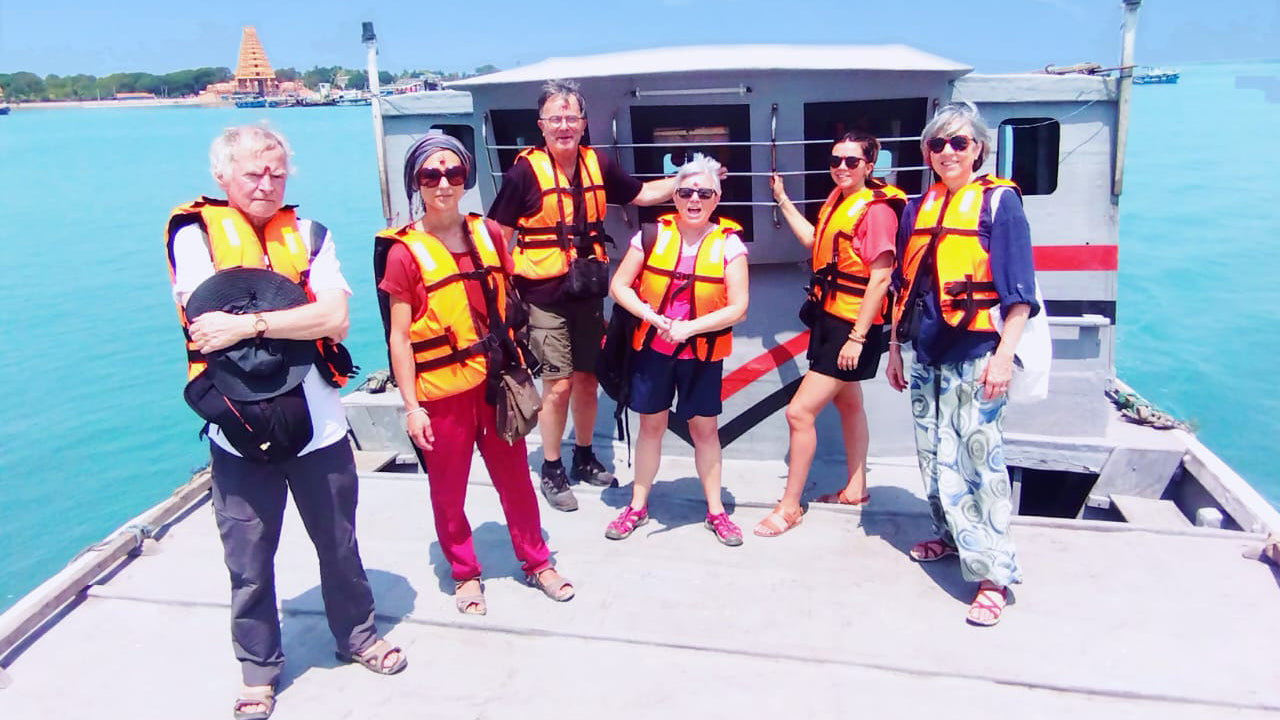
(959, 444)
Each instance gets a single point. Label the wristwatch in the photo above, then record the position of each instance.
(259, 324)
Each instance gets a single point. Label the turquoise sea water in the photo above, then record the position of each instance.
(93, 429)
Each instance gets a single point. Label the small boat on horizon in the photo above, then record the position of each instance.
(1155, 76)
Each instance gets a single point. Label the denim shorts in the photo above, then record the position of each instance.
(656, 380)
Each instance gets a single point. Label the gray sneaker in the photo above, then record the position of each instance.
(555, 488)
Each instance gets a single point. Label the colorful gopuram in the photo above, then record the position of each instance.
(253, 72)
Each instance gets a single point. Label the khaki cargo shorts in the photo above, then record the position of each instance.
(566, 336)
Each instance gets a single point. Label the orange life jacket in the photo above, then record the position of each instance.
(658, 277)
(838, 271)
(548, 239)
(450, 351)
(233, 243)
(963, 268)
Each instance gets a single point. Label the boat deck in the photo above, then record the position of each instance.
(1112, 621)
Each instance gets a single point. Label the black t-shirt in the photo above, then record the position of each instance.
(520, 196)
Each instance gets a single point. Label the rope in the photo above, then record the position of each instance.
(1137, 410)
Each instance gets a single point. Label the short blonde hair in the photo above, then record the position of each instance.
(700, 164)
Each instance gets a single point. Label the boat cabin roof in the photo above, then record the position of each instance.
(710, 58)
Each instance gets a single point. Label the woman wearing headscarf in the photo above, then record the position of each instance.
(687, 289)
(441, 279)
(965, 254)
(852, 250)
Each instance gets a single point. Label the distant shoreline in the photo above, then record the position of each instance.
(113, 103)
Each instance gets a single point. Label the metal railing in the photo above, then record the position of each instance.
(772, 144)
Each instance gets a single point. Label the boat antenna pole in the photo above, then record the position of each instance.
(379, 140)
(1128, 31)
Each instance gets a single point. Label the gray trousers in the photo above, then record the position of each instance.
(248, 501)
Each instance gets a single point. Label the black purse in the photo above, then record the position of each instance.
(588, 279)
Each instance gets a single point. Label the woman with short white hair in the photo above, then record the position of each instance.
(964, 251)
(687, 288)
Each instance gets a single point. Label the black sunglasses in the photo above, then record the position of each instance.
(703, 193)
(959, 143)
(850, 161)
(430, 177)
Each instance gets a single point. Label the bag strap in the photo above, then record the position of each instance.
(508, 353)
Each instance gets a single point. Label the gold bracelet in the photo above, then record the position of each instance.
(857, 337)
(417, 409)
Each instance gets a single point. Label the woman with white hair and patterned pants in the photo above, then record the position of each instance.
(964, 249)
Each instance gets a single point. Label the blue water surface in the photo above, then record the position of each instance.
(93, 429)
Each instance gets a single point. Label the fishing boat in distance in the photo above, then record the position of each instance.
(1138, 601)
(252, 100)
(1155, 76)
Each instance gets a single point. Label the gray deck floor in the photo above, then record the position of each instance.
(830, 618)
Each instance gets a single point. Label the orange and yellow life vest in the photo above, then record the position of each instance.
(838, 271)
(450, 351)
(234, 243)
(658, 277)
(548, 239)
(966, 292)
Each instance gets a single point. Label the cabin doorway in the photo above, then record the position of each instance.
(679, 131)
(900, 161)
(515, 130)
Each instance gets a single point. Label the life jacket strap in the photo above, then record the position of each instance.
(453, 358)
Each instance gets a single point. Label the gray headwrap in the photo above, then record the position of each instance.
(429, 145)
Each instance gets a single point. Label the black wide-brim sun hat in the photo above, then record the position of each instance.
(255, 368)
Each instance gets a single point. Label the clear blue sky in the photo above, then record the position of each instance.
(62, 37)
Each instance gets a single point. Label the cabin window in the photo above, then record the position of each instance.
(1028, 154)
(884, 161)
(519, 129)
(466, 135)
(899, 161)
(682, 130)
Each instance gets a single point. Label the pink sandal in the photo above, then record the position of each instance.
(931, 550)
(992, 599)
(726, 531)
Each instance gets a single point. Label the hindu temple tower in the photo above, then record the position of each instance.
(253, 72)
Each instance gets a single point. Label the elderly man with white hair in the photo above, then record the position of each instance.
(211, 240)
(687, 289)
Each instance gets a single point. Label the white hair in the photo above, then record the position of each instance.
(954, 119)
(700, 164)
(254, 139)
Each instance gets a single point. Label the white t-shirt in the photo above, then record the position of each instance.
(192, 266)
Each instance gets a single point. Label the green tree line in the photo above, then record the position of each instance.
(29, 86)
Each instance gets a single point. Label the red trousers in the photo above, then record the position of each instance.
(460, 423)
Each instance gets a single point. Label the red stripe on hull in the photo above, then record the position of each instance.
(762, 364)
(1076, 257)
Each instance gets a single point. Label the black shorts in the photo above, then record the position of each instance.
(657, 379)
(829, 334)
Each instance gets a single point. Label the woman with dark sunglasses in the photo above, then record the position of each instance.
(687, 288)
(965, 250)
(852, 251)
(441, 279)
